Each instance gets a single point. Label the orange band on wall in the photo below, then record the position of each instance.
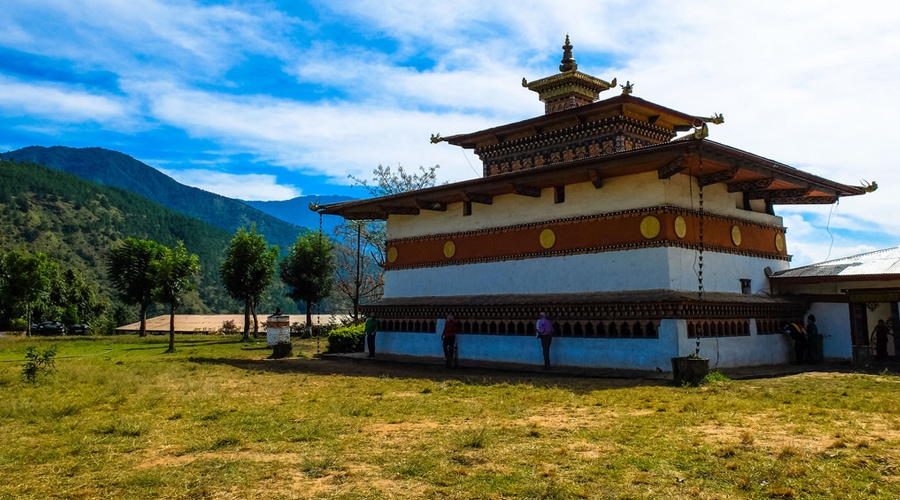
(661, 226)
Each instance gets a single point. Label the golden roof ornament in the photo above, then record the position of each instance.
(628, 88)
(570, 87)
(568, 62)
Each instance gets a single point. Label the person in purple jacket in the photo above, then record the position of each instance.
(545, 335)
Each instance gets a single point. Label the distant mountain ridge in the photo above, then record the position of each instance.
(77, 222)
(296, 211)
(112, 168)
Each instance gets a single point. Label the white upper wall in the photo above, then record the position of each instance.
(637, 269)
(618, 193)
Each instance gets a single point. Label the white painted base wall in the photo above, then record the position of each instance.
(634, 354)
(833, 320)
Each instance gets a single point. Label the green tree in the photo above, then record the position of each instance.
(27, 284)
(247, 270)
(174, 274)
(80, 299)
(309, 270)
(130, 269)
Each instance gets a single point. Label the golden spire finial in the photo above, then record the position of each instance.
(568, 62)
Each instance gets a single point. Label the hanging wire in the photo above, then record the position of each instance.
(463, 151)
(828, 227)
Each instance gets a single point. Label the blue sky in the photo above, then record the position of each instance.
(273, 100)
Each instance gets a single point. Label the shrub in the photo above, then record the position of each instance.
(38, 362)
(18, 325)
(715, 376)
(347, 339)
(229, 328)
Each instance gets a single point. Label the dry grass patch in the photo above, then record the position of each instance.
(216, 420)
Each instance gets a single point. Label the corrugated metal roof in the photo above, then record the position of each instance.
(880, 262)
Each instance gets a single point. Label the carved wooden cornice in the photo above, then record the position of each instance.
(805, 200)
(744, 186)
(591, 314)
(716, 177)
(771, 194)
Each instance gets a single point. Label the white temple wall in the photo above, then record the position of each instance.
(725, 352)
(636, 269)
(618, 353)
(833, 320)
(722, 272)
(617, 194)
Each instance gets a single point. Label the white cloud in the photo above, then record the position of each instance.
(806, 83)
(256, 187)
(336, 140)
(58, 102)
(146, 37)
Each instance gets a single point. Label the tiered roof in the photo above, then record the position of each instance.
(589, 141)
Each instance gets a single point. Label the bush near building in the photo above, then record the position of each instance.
(347, 339)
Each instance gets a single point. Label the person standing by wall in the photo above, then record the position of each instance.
(816, 354)
(448, 339)
(801, 343)
(545, 334)
(371, 330)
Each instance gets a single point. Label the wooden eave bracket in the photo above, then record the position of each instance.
(484, 199)
(526, 190)
(674, 166)
(595, 178)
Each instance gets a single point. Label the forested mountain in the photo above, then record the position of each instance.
(112, 168)
(76, 222)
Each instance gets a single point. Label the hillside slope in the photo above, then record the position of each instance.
(112, 168)
(76, 222)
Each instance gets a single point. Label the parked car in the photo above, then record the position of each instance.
(50, 328)
(80, 329)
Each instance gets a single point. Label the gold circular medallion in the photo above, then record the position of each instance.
(548, 238)
(736, 235)
(392, 254)
(779, 242)
(680, 227)
(650, 227)
(449, 249)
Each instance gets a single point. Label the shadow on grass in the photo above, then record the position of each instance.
(480, 376)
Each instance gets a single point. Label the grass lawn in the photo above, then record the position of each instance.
(121, 419)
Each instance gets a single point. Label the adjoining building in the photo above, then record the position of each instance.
(849, 296)
(639, 237)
